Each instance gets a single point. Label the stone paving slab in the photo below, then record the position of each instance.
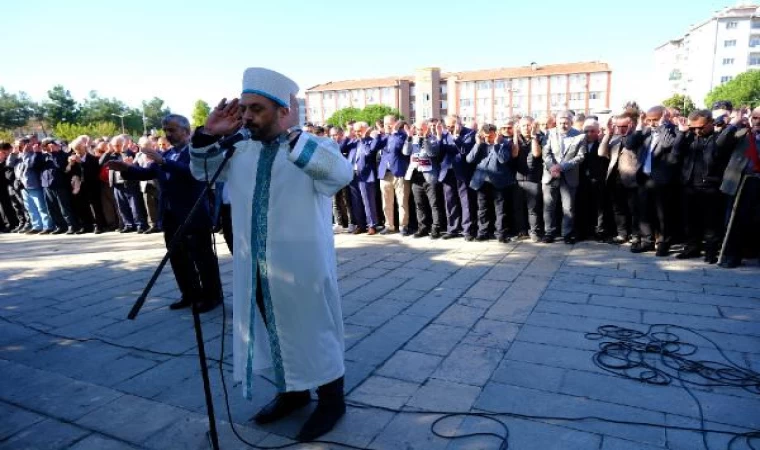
(431, 326)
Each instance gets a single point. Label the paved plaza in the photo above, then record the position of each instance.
(430, 326)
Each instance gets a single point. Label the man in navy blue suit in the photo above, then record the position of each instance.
(193, 261)
(391, 171)
(456, 172)
(363, 159)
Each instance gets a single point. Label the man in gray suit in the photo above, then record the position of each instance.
(563, 153)
(424, 168)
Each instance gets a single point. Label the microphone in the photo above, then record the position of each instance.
(243, 134)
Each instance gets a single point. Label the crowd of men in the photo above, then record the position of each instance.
(649, 178)
(652, 179)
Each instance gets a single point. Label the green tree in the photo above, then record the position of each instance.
(15, 109)
(341, 116)
(742, 90)
(99, 109)
(682, 102)
(6, 136)
(60, 107)
(373, 113)
(69, 131)
(154, 110)
(201, 110)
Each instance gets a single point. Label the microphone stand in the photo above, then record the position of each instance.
(212, 433)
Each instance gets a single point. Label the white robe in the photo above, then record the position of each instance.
(281, 204)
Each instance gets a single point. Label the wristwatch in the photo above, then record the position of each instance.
(292, 134)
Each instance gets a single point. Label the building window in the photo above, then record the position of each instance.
(754, 42)
(412, 91)
(728, 61)
(730, 43)
(444, 104)
(465, 103)
(593, 95)
(756, 24)
(731, 25)
(499, 85)
(754, 60)
(726, 79)
(444, 89)
(484, 85)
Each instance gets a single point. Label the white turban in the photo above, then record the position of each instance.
(270, 84)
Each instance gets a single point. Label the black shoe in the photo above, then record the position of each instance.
(447, 236)
(522, 237)
(663, 250)
(127, 230)
(435, 234)
(80, 231)
(730, 263)
(282, 406)
(641, 248)
(97, 230)
(548, 239)
(420, 234)
(569, 240)
(58, 231)
(142, 230)
(182, 303)
(483, 238)
(505, 240)
(151, 230)
(689, 252)
(207, 306)
(71, 230)
(405, 232)
(331, 407)
(469, 238)
(48, 231)
(600, 237)
(32, 231)
(711, 257)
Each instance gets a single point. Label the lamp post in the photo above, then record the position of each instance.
(121, 116)
(145, 122)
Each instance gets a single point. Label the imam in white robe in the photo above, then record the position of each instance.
(281, 202)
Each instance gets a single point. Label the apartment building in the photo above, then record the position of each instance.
(488, 96)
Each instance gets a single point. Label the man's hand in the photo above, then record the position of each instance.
(439, 130)
(36, 148)
(555, 171)
(683, 124)
(224, 118)
(153, 155)
(118, 166)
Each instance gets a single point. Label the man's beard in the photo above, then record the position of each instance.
(259, 132)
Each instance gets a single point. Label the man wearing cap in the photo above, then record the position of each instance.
(286, 303)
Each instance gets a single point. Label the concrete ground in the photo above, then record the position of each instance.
(430, 326)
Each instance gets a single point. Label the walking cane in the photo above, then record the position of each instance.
(722, 256)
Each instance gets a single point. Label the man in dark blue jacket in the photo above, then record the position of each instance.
(57, 187)
(193, 261)
(363, 158)
(391, 171)
(456, 172)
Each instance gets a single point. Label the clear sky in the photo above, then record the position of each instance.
(182, 51)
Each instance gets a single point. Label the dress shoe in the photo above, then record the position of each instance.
(482, 238)
(359, 231)
(71, 230)
(330, 408)
(282, 406)
(535, 238)
(31, 231)
(663, 250)
(435, 234)
(548, 239)
(711, 257)
(371, 231)
(600, 237)
(421, 233)
(505, 240)
(80, 231)
(48, 231)
(59, 231)
(388, 230)
(447, 236)
(522, 237)
(405, 231)
(151, 230)
(469, 238)
(730, 263)
(182, 303)
(569, 240)
(689, 252)
(127, 230)
(641, 248)
(618, 240)
(97, 230)
(207, 306)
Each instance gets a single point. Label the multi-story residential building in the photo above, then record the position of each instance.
(491, 95)
(710, 53)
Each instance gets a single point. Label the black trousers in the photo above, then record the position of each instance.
(225, 215)
(8, 217)
(591, 204)
(654, 217)
(17, 203)
(89, 207)
(704, 217)
(742, 233)
(193, 262)
(342, 212)
(489, 195)
(427, 199)
(528, 207)
(625, 207)
(58, 200)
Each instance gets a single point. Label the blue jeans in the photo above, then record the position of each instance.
(34, 201)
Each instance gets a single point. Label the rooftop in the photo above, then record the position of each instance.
(474, 75)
